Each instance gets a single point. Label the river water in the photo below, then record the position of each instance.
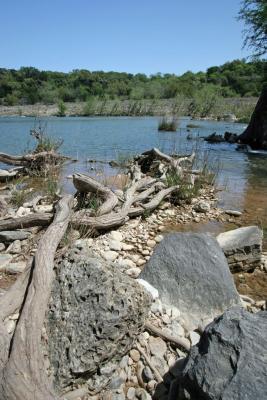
(242, 177)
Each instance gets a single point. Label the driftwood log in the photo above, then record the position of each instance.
(22, 371)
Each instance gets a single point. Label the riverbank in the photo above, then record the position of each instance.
(240, 107)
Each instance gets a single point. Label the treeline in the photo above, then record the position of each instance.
(28, 85)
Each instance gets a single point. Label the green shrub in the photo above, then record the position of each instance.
(167, 124)
(61, 109)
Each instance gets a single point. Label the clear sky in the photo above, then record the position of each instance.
(149, 36)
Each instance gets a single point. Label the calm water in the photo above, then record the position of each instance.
(243, 177)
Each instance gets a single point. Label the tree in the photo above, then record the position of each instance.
(254, 14)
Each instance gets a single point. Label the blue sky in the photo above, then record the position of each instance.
(149, 36)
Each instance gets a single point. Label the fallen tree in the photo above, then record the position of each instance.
(22, 371)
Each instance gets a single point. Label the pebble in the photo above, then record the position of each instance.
(157, 346)
(151, 243)
(2, 247)
(194, 337)
(115, 245)
(148, 375)
(16, 267)
(15, 247)
(116, 235)
(10, 325)
(156, 307)
(23, 211)
(134, 272)
(109, 255)
(141, 394)
(158, 238)
(127, 247)
(135, 355)
(141, 262)
(4, 260)
(131, 393)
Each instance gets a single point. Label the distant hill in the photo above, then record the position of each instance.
(28, 85)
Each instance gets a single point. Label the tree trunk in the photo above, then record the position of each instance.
(256, 133)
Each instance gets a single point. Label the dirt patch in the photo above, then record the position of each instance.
(252, 284)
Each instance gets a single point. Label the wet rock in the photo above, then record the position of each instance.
(95, 314)
(191, 273)
(230, 360)
(11, 236)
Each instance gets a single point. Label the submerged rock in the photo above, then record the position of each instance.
(95, 314)
(230, 360)
(191, 273)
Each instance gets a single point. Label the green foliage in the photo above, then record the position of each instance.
(254, 14)
(29, 85)
(167, 124)
(61, 109)
(19, 197)
(89, 107)
(47, 143)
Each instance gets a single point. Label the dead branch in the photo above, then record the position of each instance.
(177, 342)
(24, 375)
(26, 221)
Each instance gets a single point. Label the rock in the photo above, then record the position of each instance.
(133, 272)
(158, 238)
(115, 245)
(191, 273)
(230, 360)
(234, 213)
(131, 393)
(135, 355)
(11, 236)
(4, 260)
(83, 243)
(242, 247)
(109, 255)
(141, 262)
(156, 307)
(153, 291)
(127, 247)
(2, 247)
(15, 247)
(95, 314)
(151, 243)
(202, 207)
(116, 235)
(194, 337)
(157, 346)
(141, 394)
(16, 267)
(10, 325)
(126, 263)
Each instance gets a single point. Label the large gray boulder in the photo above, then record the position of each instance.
(190, 272)
(242, 247)
(95, 314)
(230, 361)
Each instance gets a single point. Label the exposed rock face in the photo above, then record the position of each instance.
(230, 360)
(242, 247)
(94, 316)
(190, 272)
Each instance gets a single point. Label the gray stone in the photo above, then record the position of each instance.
(115, 245)
(202, 207)
(191, 273)
(2, 247)
(157, 346)
(95, 314)
(109, 255)
(230, 360)
(16, 267)
(141, 394)
(149, 288)
(116, 235)
(11, 236)
(14, 247)
(4, 260)
(131, 393)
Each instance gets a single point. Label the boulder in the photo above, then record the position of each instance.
(95, 314)
(191, 273)
(229, 362)
(242, 247)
